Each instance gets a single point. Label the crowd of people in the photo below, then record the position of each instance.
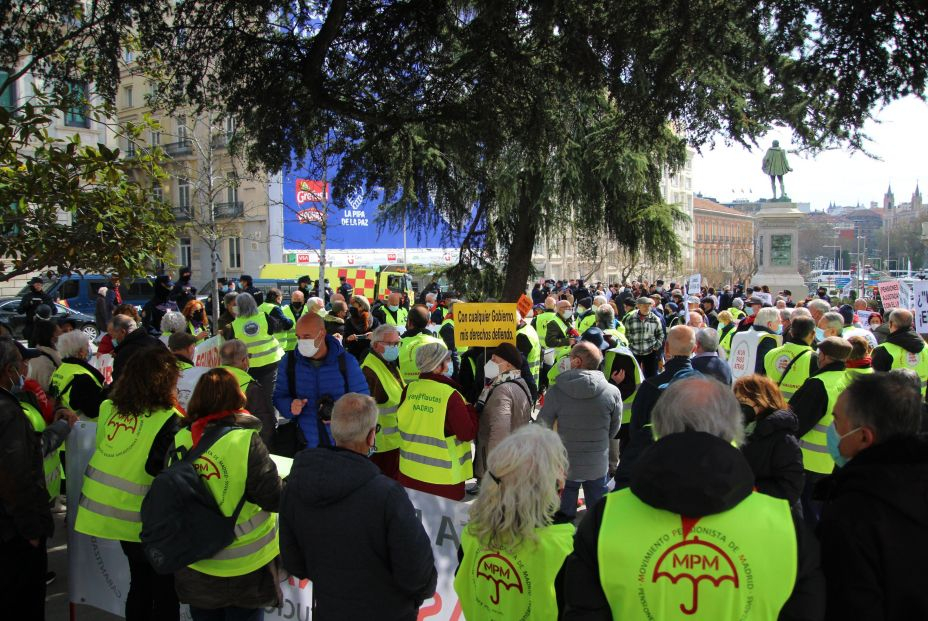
(794, 488)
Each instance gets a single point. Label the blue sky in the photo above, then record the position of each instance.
(900, 139)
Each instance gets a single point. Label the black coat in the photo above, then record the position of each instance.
(135, 341)
(773, 453)
(355, 534)
(810, 401)
(874, 533)
(909, 340)
(86, 395)
(693, 474)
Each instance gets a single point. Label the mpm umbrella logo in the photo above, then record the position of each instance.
(500, 571)
(119, 422)
(695, 561)
(206, 468)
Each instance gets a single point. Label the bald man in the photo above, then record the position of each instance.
(392, 313)
(678, 349)
(312, 377)
(904, 349)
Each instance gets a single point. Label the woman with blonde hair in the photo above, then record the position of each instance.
(515, 530)
(770, 447)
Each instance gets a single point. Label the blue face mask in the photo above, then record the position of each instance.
(392, 308)
(833, 440)
(819, 334)
(779, 329)
(449, 371)
(391, 352)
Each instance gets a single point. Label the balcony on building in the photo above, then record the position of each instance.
(182, 147)
(182, 212)
(234, 209)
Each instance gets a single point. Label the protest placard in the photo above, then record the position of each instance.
(484, 324)
(889, 293)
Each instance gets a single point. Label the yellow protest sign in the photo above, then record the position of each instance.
(484, 324)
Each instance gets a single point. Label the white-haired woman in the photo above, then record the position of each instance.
(515, 530)
(76, 384)
(254, 328)
(172, 322)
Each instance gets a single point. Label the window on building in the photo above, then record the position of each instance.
(232, 194)
(157, 192)
(130, 147)
(230, 126)
(78, 113)
(185, 256)
(127, 96)
(128, 55)
(235, 253)
(8, 94)
(181, 123)
(183, 193)
(155, 138)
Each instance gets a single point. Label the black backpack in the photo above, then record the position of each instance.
(181, 521)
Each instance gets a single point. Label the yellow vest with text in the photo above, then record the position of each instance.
(814, 443)
(534, 355)
(287, 339)
(778, 358)
(739, 564)
(904, 359)
(402, 316)
(224, 469)
(512, 584)
(62, 380)
(51, 463)
(388, 438)
(115, 481)
(263, 348)
(624, 352)
(426, 453)
(409, 370)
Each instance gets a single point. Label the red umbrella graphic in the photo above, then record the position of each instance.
(697, 561)
(499, 570)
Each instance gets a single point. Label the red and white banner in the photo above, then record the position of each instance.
(311, 191)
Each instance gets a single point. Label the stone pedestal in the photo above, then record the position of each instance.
(777, 248)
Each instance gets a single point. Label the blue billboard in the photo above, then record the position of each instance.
(352, 218)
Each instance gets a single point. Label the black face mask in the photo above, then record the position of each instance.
(748, 413)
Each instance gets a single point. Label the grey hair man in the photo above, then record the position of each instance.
(875, 500)
(382, 372)
(127, 341)
(767, 322)
(693, 479)
(818, 308)
(339, 485)
(233, 355)
(588, 413)
(707, 360)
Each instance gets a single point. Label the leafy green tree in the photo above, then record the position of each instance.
(511, 119)
(72, 206)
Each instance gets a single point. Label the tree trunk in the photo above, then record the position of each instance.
(519, 263)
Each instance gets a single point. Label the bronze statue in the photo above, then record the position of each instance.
(776, 166)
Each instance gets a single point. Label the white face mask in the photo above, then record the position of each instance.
(307, 347)
(564, 365)
(567, 314)
(490, 370)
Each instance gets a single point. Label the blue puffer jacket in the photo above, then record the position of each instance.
(314, 381)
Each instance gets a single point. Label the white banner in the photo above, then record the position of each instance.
(694, 284)
(889, 294)
(104, 364)
(743, 356)
(920, 289)
(206, 353)
(99, 573)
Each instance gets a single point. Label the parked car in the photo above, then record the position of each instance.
(12, 322)
(80, 292)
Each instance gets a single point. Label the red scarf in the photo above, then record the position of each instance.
(861, 363)
(199, 425)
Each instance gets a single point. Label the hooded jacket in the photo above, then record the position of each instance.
(874, 532)
(908, 340)
(693, 474)
(588, 412)
(355, 534)
(773, 453)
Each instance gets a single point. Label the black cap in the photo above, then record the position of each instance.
(595, 336)
(35, 280)
(26, 352)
